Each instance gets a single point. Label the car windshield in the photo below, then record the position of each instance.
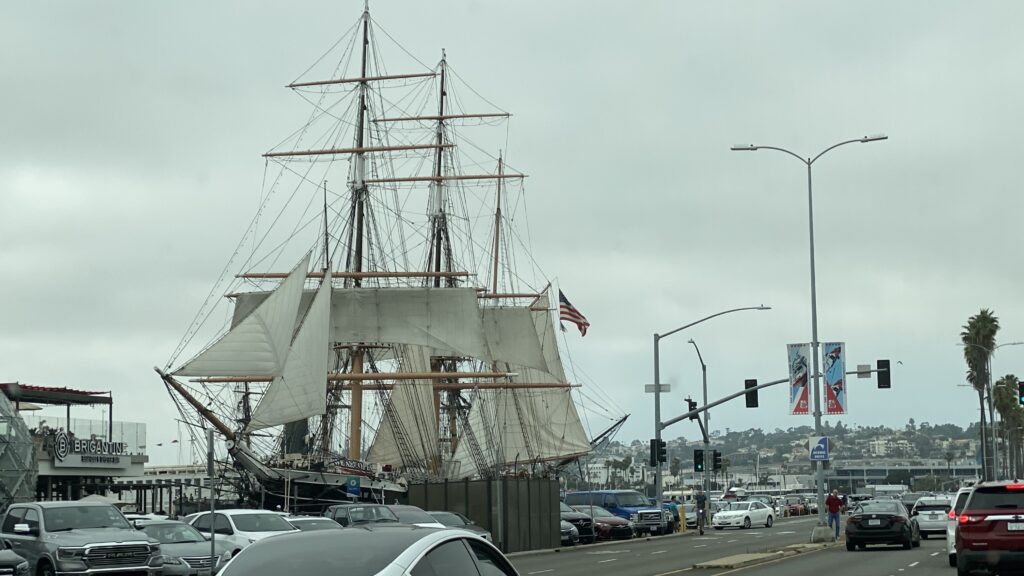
(314, 523)
(996, 497)
(732, 506)
(448, 519)
(879, 508)
(689, 507)
(595, 512)
(633, 500)
(261, 523)
(412, 516)
(370, 514)
(173, 533)
(563, 507)
(932, 506)
(82, 517)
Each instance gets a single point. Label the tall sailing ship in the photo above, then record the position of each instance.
(405, 344)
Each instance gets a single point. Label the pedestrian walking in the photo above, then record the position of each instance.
(835, 505)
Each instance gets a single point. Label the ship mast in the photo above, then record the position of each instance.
(497, 228)
(440, 240)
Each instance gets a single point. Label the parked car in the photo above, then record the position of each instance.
(628, 504)
(570, 535)
(359, 513)
(794, 505)
(959, 500)
(583, 523)
(990, 529)
(308, 523)
(241, 527)
(415, 516)
(932, 514)
(456, 520)
(78, 537)
(382, 549)
(11, 563)
(768, 501)
(607, 526)
(743, 514)
(186, 552)
(881, 522)
(690, 512)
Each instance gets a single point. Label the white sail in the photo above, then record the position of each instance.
(301, 390)
(258, 344)
(411, 415)
(512, 337)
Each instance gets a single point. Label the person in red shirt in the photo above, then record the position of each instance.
(834, 504)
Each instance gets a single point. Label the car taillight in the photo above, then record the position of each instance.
(898, 519)
(1015, 486)
(852, 520)
(970, 519)
(952, 514)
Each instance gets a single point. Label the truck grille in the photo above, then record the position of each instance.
(198, 561)
(112, 556)
(5, 571)
(650, 517)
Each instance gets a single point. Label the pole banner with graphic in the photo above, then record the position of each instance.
(834, 364)
(798, 355)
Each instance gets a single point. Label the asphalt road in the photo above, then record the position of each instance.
(663, 555)
(928, 560)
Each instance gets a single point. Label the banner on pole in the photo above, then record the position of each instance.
(834, 364)
(798, 355)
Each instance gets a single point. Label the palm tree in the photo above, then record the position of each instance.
(979, 339)
(1008, 405)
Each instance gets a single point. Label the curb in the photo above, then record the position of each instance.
(584, 547)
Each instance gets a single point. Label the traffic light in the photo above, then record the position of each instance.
(654, 453)
(662, 451)
(883, 374)
(716, 460)
(698, 460)
(752, 395)
(691, 405)
(1020, 393)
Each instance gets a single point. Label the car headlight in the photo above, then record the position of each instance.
(225, 556)
(632, 518)
(21, 568)
(171, 560)
(574, 531)
(70, 553)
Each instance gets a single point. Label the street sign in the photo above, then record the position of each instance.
(819, 448)
(863, 370)
(649, 388)
(352, 486)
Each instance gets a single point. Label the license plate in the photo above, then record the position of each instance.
(1014, 526)
(874, 522)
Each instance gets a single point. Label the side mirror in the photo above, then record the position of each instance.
(138, 524)
(914, 513)
(206, 536)
(25, 529)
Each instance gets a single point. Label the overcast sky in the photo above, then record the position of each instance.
(130, 165)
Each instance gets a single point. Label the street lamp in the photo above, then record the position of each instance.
(657, 383)
(707, 413)
(991, 413)
(820, 470)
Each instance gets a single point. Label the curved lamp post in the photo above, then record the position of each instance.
(820, 472)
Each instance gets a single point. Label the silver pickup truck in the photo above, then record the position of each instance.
(80, 539)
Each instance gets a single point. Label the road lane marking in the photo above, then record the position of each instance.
(731, 541)
(787, 532)
(675, 571)
(542, 571)
(608, 560)
(701, 546)
(914, 564)
(659, 552)
(935, 553)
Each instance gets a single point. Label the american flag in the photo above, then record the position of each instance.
(566, 311)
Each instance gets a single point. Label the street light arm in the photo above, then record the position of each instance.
(833, 147)
(699, 357)
(793, 154)
(671, 332)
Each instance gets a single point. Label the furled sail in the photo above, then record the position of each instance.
(258, 343)
(446, 319)
(301, 390)
(407, 434)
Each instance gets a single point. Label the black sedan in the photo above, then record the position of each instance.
(881, 522)
(583, 523)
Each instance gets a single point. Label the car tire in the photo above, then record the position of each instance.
(952, 560)
(746, 523)
(770, 522)
(45, 569)
(908, 543)
(718, 527)
(850, 546)
(924, 535)
(962, 569)
(862, 546)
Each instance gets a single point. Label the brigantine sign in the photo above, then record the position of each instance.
(71, 452)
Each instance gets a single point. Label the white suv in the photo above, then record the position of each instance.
(241, 527)
(958, 505)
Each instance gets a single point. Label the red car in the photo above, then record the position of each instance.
(607, 525)
(990, 529)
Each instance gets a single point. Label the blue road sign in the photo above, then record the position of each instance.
(819, 448)
(352, 485)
